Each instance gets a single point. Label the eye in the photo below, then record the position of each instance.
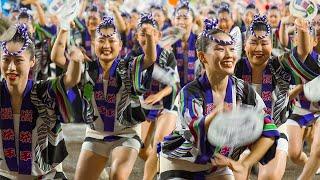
(219, 49)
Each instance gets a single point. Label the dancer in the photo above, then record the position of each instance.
(31, 113)
(158, 102)
(187, 152)
(112, 132)
(270, 77)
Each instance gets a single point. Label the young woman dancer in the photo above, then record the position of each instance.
(108, 86)
(157, 102)
(185, 49)
(187, 152)
(31, 141)
(270, 77)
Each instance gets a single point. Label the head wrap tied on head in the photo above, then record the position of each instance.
(21, 30)
(260, 20)
(107, 21)
(146, 18)
(211, 24)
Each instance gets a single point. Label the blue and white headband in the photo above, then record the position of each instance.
(24, 11)
(211, 24)
(146, 18)
(106, 22)
(181, 5)
(260, 20)
(22, 29)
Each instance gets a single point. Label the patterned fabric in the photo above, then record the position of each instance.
(189, 141)
(304, 111)
(12, 154)
(107, 105)
(167, 61)
(49, 107)
(276, 81)
(186, 60)
(129, 80)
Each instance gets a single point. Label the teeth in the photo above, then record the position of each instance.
(227, 63)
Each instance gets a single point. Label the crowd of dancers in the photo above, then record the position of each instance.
(150, 83)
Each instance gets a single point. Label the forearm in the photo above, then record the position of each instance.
(82, 8)
(41, 15)
(283, 36)
(166, 91)
(151, 52)
(258, 150)
(120, 23)
(58, 49)
(295, 91)
(303, 44)
(73, 74)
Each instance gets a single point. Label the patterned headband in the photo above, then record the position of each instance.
(211, 24)
(156, 6)
(106, 22)
(260, 20)
(224, 7)
(24, 11)
(22, 30)
(146, 18)
(183, 4)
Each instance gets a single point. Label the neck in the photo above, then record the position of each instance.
(17, 91)
(161, 25)
(93, 34)
(257, 72)
(186, 36)
(106, 68)
(218, 82)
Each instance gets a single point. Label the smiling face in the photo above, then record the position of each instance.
(107, 49)
(141, 36)
(183, 19)
(274, 18)
(258, 50)
(225, 21)
(15, 69)
(159, 16)
(93, 22)
(219, 59)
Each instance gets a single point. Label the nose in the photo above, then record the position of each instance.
(12, 66)
(106, 44)
(259, 47)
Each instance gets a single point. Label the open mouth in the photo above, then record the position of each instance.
(228, 63)
(12, 76)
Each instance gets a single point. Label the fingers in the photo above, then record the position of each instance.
(75, 54)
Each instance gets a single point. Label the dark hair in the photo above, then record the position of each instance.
(24, 14)
(207, 36)
(224, 7)
(146, 18)
(184, 5)
(22, 36)
(203, 42)
(250, 6)
(106, 23)
(258, 27)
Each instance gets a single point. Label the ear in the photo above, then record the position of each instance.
(315, 41)
(159, 34)
(201, 57)
(32, 62)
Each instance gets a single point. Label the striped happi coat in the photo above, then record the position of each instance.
(189, 140)
(48, 145)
